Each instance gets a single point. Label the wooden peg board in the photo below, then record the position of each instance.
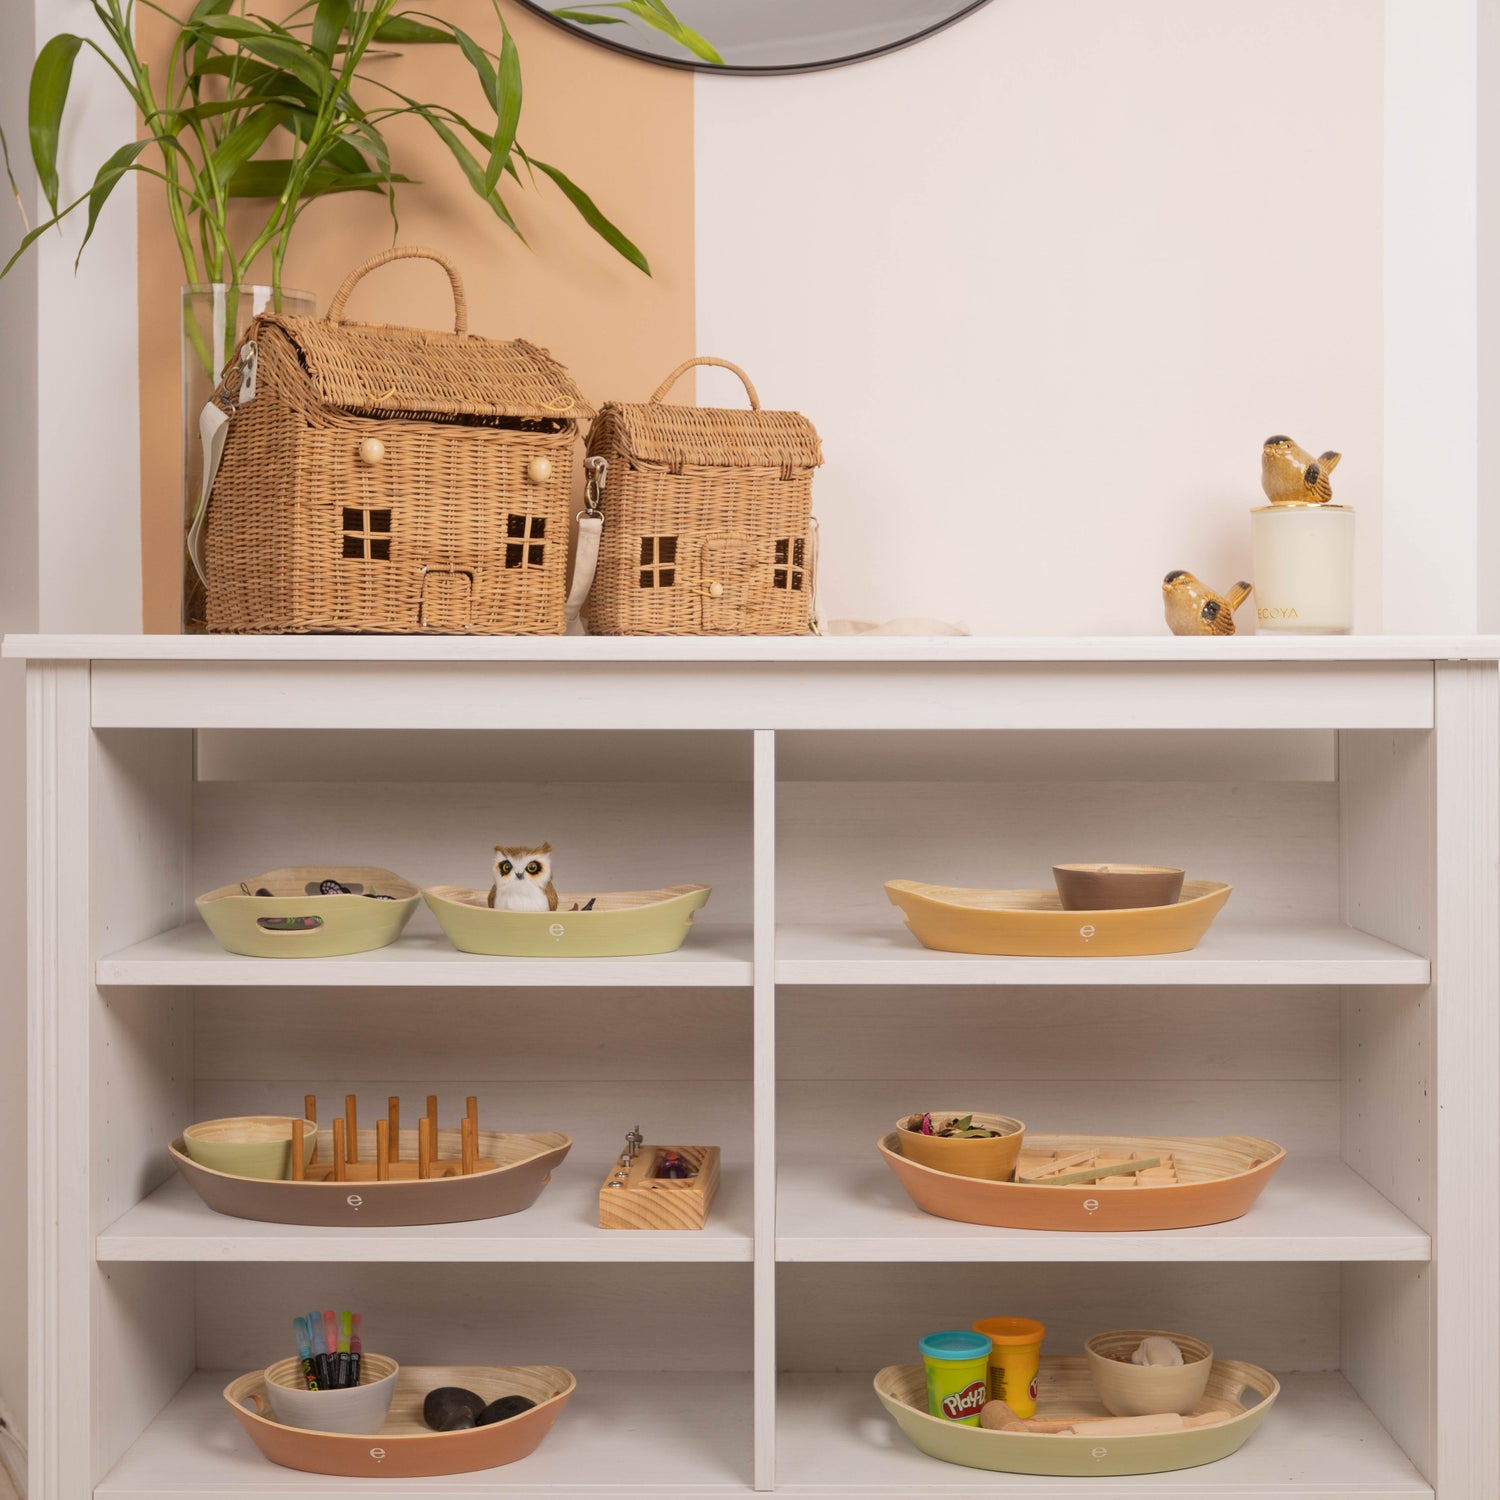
(646, 1201)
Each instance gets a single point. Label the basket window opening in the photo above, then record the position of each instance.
(790, 552)
(367, 533)
(527, 547)
(658, 562)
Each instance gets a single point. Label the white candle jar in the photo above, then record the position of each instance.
(1304, 568)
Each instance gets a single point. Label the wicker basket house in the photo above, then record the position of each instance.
(707, 518)
(386, 479)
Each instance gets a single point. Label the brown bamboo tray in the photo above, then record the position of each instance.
(1200, 1180)
(1033, 924)
(1065, 1389)
(406, 1448)
(293, 923)
(512, 1171)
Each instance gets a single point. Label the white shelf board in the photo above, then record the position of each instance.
(174, 1224)
(1230, 953)
(1319, 1440)
(634, 1434)
(189, 955)
(1312, 1209)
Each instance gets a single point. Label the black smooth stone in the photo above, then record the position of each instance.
(450, 1408)
(502, 1407)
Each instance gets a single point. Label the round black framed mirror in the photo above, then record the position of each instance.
(755, 36)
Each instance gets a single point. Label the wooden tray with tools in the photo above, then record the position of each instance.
(1033, 924)
(388, 1176)
(635, 1195)
(1102, 1183)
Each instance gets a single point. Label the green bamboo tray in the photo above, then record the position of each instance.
(291, 923)
(622, 924)
(1065, 1389)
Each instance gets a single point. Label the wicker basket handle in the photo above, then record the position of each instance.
(706, 359)
(404, 252)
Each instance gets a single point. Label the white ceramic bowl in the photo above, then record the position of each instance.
(361, 1409)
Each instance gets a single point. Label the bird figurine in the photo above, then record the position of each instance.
(1291, 476)
(1192, 608)
(523, 879)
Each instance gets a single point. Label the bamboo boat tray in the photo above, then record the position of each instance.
(1199, 1180)
(622, 924)
(294, 922)
(1065, 1389)
(406, 1448)
(1033, 924)
(511, 1173)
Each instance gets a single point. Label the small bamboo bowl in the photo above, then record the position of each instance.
(258, 1146)
(991, 1160)
(1142, 1390)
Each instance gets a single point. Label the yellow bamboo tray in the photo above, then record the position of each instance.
(1182, 1182)
(1065, 1389)
(622, 924)
(406, 1448)
(1033, 924)
(295, 922)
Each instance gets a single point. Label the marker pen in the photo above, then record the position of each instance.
(331, 1344)
(305, 1354)
(354, 1353)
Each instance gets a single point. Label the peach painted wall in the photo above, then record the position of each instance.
(622, 129)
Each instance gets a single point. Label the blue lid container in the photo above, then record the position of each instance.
(955, 1344)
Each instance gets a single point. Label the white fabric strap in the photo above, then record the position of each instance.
(590, 528)
(213, 430)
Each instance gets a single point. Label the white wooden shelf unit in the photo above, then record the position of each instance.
(1344, 1005)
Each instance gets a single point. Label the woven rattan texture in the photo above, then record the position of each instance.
(707, 519)
(447, 532)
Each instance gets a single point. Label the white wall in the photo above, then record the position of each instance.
(1045, 282)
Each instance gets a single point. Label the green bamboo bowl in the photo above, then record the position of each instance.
(623, 924)
(257, 1146)
(293, 923)
(1065, 1389)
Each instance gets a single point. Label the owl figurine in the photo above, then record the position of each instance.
(1192, 608)
(1292, 476)
(523, 879)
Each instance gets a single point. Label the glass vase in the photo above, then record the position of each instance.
(214, 320)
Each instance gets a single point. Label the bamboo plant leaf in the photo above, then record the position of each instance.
(508, 112)
(659, 18)
(245, 140)
(591, 216)
(116, 167)
(588, 18)
(330, 22)
(284, 51)
(10, 177)
(268, 179)
(469, 166)
(403, 29)
(50, 77)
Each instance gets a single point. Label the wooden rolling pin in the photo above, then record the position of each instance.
(998, 1417)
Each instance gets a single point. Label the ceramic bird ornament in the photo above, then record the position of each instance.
(1192, 608)
(1291, 476)
(523, 879)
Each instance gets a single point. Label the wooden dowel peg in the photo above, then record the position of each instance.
(339, 1174)
(298, 1174)
(382, 1150)
(393, 1111)
(470, 1139)
(471, 1108)
(432, 1116)
(424, 1147)
(351, 1125)
(310, 1110)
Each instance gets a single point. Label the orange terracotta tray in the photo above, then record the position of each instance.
(1033, 924)
(1201, 1180)
(523, 1167)
(406, 1448)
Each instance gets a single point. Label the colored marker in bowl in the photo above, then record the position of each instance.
(354, 1352)
(305, 1353)
(331, 1344)
(344, 1355)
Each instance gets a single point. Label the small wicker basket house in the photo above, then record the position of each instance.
(707, 518)
(377, 478)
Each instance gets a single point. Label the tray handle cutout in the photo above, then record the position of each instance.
(289, 924)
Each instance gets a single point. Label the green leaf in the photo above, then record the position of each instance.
(50, 77)
(508, 114)
(469, 167)
(121, 162)
(245, 140)
(284, 50)
(330, 22)
(403, 29)
(585, 18)
(268, 179)
(661, 19)
(591, 215)
(10, 177)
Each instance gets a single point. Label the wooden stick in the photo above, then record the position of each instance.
(393, 1109)
(351, 1125)
(339, 1174)
(298, 1175)
(382, 1150)
(432, 1117)
(471, 1107)
(469, 1139)
(424, 1147)
(310, 1109)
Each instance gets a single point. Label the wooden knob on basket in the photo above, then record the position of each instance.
(539, 470)
(716, 590)
(371, 451)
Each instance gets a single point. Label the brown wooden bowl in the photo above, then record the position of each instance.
(1116, 887)
(1218, 1178)
(524, 1167)
(405, 1447)
(994, 1159)
(1142, 1390)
